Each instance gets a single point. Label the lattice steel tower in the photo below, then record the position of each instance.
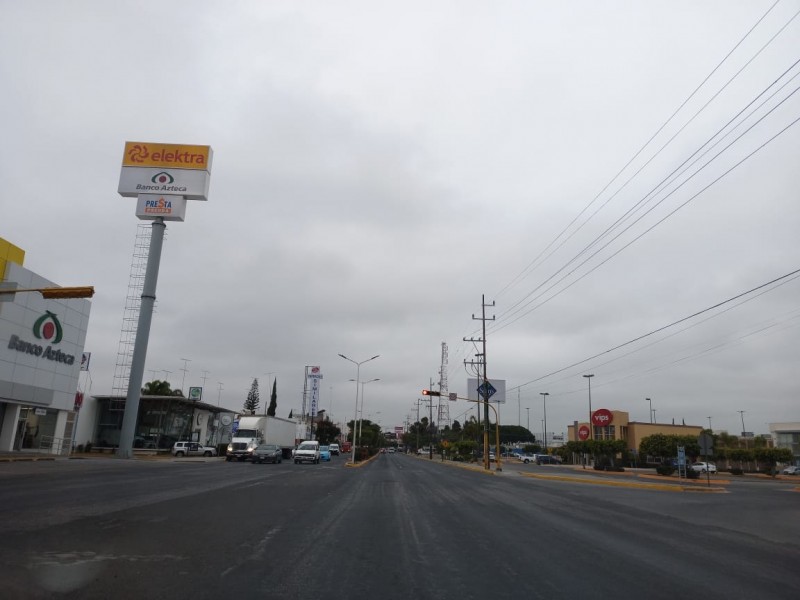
(444, 405)
(130, 316)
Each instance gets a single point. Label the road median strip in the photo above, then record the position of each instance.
(665, 487)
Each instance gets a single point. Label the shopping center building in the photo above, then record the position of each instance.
(41, 347)
(616, 425)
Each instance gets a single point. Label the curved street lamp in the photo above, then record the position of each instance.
(591, 427)
(544, 396)
(355, 416)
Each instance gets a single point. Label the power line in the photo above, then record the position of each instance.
(653, 332)
(656, 224)
(645, 145)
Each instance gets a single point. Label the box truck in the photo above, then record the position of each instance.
(252, 431)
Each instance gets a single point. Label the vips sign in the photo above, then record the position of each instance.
(602, 417)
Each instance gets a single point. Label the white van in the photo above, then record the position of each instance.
(307, 452)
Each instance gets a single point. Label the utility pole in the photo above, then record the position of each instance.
(430, 424)
(417, 427)
(485, 383)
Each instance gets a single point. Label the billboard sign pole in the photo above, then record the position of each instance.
(183, 172)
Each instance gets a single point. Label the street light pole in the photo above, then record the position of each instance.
(709, 424)
(361, 412)
(528, 408)
(544, 396)
(186, 362)
(741, 414)
(651, 409)
(355, 416)
(591, 427)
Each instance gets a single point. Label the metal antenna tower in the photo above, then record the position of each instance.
(130, 316)
(444, 408)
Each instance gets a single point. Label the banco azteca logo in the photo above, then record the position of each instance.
(162, 178)
(138, 153)
(48, 328)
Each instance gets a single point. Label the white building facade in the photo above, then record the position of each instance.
(41, 346)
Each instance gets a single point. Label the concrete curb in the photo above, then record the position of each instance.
(358, 465)
(665, 487)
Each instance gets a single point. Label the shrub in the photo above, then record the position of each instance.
(737, 471)
(88, 447)
(665, 470)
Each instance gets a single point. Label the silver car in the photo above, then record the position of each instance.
(269, 453)
(192, 449)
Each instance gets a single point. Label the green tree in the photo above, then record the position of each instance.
(159, 388)
(327, 432)
(273, 399)
(769, 457)
(664, 446)
(252, 401)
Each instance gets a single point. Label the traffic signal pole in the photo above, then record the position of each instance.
(496, 424)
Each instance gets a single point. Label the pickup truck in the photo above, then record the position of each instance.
(192, 449)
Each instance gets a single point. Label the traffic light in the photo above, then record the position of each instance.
(431, 393)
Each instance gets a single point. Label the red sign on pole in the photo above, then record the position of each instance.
(602, 417)
(583, 432)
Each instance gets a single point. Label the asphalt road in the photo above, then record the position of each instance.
(400, 527)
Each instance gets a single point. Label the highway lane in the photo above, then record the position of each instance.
(399, 527)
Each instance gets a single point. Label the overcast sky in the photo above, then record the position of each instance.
(598, 170)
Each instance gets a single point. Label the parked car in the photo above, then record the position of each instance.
(547, 459)
(192, 449)
(423, 451)
(791, 470)
(334, 449)
(527, 458)
(702, 467)
(325, 453)
(269, 453)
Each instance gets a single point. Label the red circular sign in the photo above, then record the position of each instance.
(583, 432)
(602, 417)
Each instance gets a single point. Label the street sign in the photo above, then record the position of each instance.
(706, 443)
(453, 396)
(486, 390)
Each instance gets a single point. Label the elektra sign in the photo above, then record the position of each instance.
(172, 169)
(47, 328)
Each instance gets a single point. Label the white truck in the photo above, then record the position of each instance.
(254, 430)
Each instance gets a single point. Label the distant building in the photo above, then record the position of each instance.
(617, 426)
(162, 421)
(787, 435)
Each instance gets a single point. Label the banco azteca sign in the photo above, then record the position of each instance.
(47, 328)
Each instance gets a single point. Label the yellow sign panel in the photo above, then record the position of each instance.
(170, 156)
